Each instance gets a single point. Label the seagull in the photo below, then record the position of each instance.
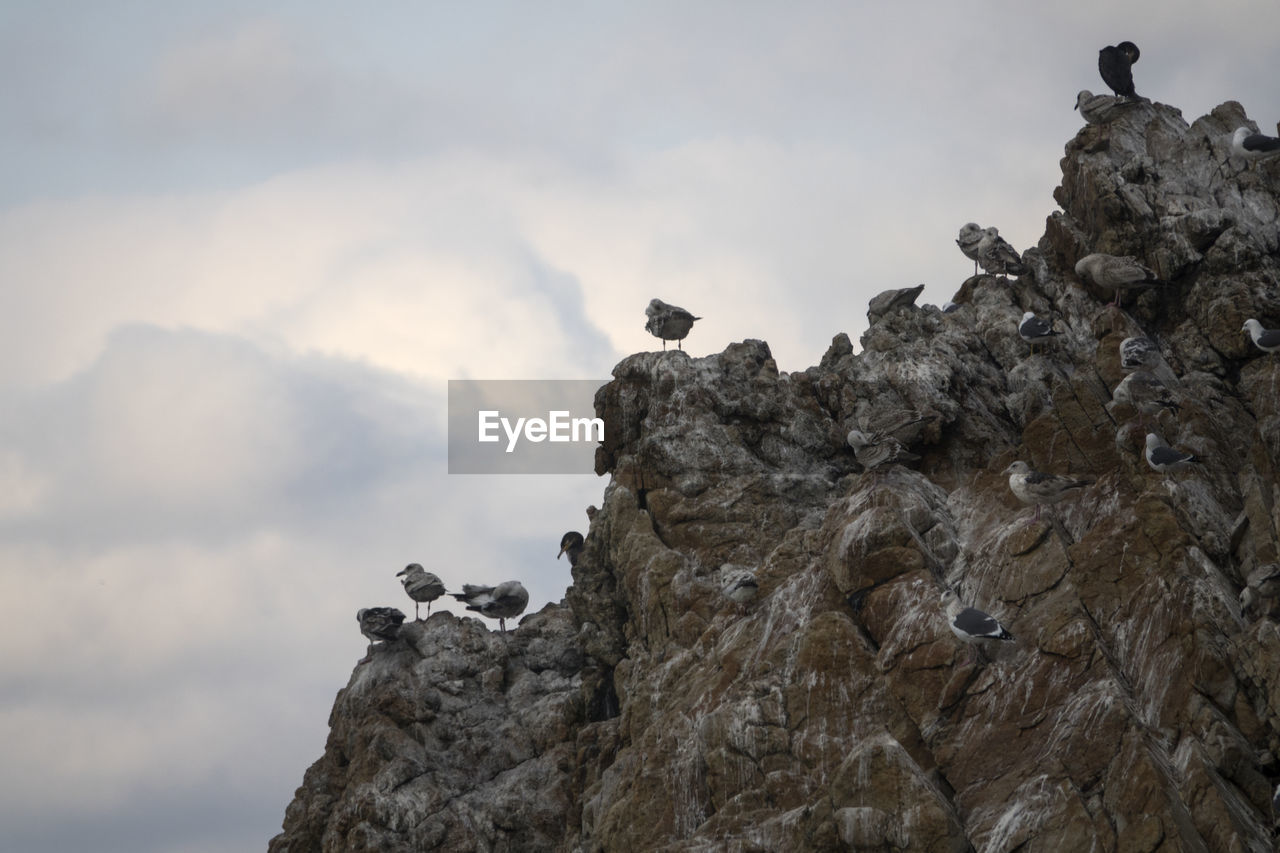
(1096, 109)
(1035, 487)
(950, 307)
(740, 584)
(1115, 64)
(668, 322)
(421, 586)
(876, 449)
(972, 625)
(1262, 586)
(1163, 458)
(571, 544)
(970, 236)
(379, 624)
(1254, 146)
(502, 602)
(1267, 340)
(1115, 272)
(1144, 392)
(1138, 352)
(1032, 330)
(997, 256)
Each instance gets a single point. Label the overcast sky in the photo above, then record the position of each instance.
(243, 247)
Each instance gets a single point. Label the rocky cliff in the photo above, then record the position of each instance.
(1138, 709)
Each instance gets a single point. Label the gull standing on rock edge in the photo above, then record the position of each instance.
(421, 585)
(997, 256)
(1117, 273)
(379, 624)
(668, 322)
(1033, 330)
(971, 235)
(739, 583)
(502, 602)
(1036, 488)
(1254, 146)
(1096, 109)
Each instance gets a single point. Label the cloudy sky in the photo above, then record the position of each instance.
(243, 247)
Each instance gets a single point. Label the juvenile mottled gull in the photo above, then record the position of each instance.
(1163, 458)
(1267, 340)
(1033, 330)
(1145, 393)
(571, 544)
(971, 235)
(875, 449)
(1261, 588)
(1138, 352)
(379, 624)
(997, 256)
(1036, 488)
(739, 583)
(421, 586)
(1115, 64)
(1254, 146)
(668, 322)
(502, 602)
(971, 624)
(1115, 272)
(1097, 109)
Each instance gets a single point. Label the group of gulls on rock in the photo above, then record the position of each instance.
(1148, 385)
(502, 602)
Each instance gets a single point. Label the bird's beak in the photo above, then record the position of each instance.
(402, 571)
(562, 547)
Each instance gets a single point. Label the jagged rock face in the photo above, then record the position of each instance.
(1136, 711)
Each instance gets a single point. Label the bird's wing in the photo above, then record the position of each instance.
(1169, 456)
(975, 623)
(1260, 143)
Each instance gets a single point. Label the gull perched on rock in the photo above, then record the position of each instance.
(997, 256)
(379, 624)
(1267, 340)
(739, 583)
(1097, 109)
(1115, 272)
(972, 625)
(421, 586)
(668, 322)
(1165, 459)
(502, 602)
(571, 544)
(1141, 353)
(1033, 330)
(876, 449)
(971, 235)
(1145, 393)
(1036, 488)
(1254, 146)
(1261, 588)
(1115, 64)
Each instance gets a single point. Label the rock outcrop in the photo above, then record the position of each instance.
(1138, 710)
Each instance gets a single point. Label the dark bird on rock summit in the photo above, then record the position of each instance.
(502, 602)
(668, 322)
(421, 586)
(1115, 64)
(571, 544)
(379, 624)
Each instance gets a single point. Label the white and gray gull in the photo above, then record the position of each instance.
(1034, 330)
(1037, 488)
(738, 583)
(1097, 109)
(1267, 340)
(1254, 146)
(502, 602)
(1165, 459)
(972, 625)
(1115, 272)
(421, 585)
(668, 322)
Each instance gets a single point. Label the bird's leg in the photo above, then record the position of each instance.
(415, 612)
